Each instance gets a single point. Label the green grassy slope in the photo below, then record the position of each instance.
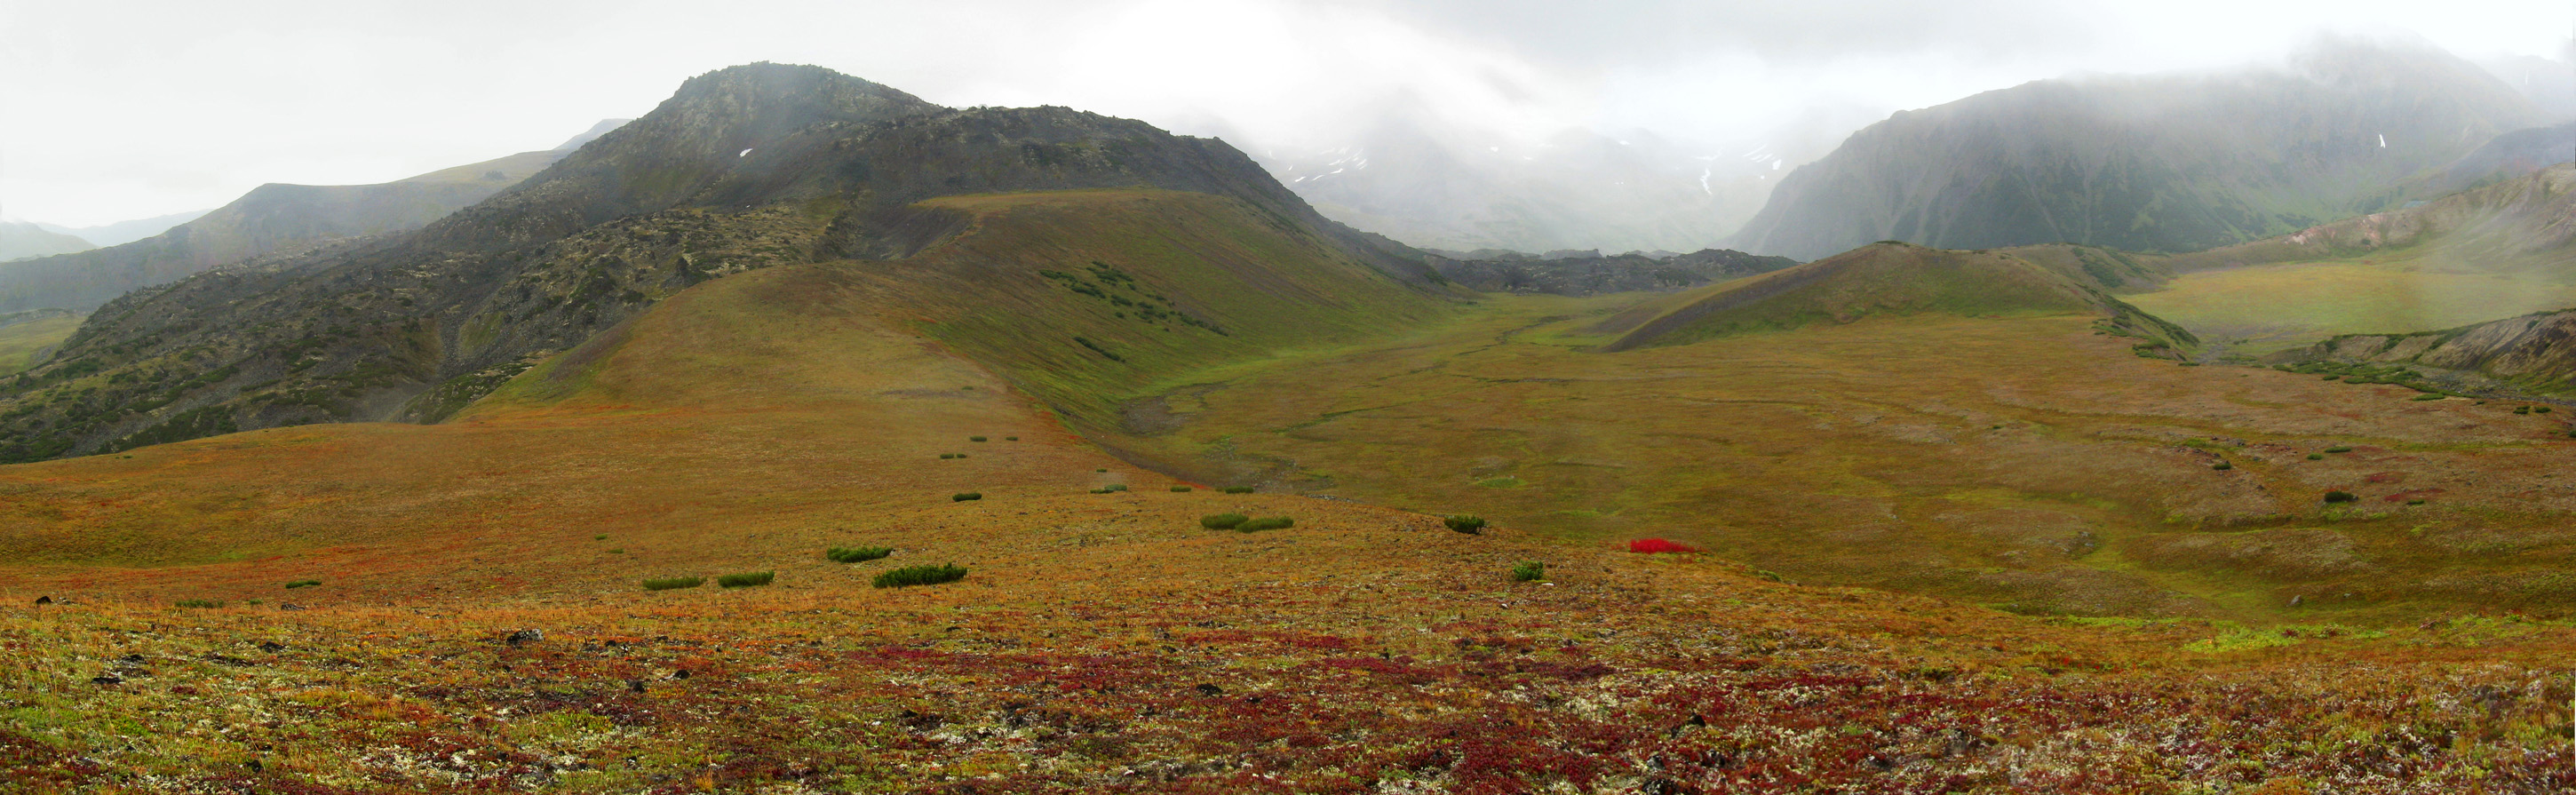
(1879, 279)
(1081, 299)
(22, 334)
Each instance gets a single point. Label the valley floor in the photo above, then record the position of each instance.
(459, 607)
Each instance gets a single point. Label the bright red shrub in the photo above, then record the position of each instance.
(1653, 545)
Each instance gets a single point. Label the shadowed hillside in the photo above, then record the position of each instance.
(27, 241)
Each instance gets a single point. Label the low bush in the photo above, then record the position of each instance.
(746, 579)
(965, 496)
(199, 603)
(1238, 489)
(303, 583)
(2338, 449)
(974, 438)
(1100, 470)
(2222, 465)
(2332, 378)
(2430, 396)
(2540, 409)
(1112, 488)
(1223, 521)
(2522, 409)
(1266, 523)
(668, 583)
(1179, 489)
(2341, 496)
(600, 537)
(617, 551)
(1464, 523)
(1529, 571)
(2316, 456)
(2414, 502)
(920, 575)
(1010, 438)
(1651, 546)
(856, 554)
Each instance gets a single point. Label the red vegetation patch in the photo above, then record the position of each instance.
(1651, 546)
(2417, 494)
(2385, 477)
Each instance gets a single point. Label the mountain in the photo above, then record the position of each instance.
(1589, 273)
(1886, 279)
(123, 232)
(742, 169)
(20, 240)
(2153, 163)
(592, 134)
(270, 218)
(1416, 180)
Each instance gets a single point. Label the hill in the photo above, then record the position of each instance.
(1883, 279)
(273, 218)
(742, 169)
(2510, 156)
(2158, 163)
(27, 241)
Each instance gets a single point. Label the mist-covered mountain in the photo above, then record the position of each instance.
(270, 218)
(1427, 184)
(2147, 163)
(21, 240)
(742, 168)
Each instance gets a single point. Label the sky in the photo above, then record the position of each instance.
(120, 110)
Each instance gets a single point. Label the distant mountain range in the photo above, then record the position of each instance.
(1429, 185)
(2158, 163)
(21, 240)
(270, 218)
(123, 232)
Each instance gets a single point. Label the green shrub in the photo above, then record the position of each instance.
(2332, 377)
(1529, 571)
(1010, 438)
(2430, 396)
(1180, 489)
(2522, 409)
(199, 603)
(920, 575)
(668, 583)
(2341, 496)
(2316, 456)
(2414, 502)
(1465, 523)
(1266, 523)
(2222, 465)
(617, 551)
(856, 554)
(746, 579)
(2540, 409)
(1238, 489)
(600, 537)
(1100, 470)
(2338, 449)
(1223, 521)
(1112, 488)
(965, 495)
(946, 456)
(303, 583)
(974, 438)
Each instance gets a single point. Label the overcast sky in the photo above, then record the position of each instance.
(118, 110)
